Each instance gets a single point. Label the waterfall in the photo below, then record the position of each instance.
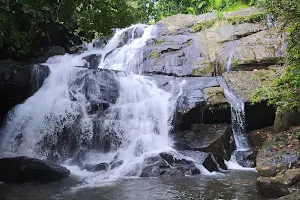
(111, 115)
(228, 53)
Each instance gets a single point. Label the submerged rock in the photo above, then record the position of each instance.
(25, 169)
(96, 167)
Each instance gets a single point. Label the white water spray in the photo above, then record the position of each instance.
(137, 124)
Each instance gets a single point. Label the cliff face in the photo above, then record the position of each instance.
(208, 45)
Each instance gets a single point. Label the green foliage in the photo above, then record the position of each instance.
(284, 92)
(27, 24)
(297, 135)
(254, 18)
(154, 55)
(156, 10)
(203, 25)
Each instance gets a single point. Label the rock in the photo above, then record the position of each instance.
(90, 82)
(130, 34)
(216, 139)
(245, 158)
(213, 44)
(215, 95)
(245, 83)
(269, 162)
(18, 81)
(269, 189)
(156, 166)
(280, 185)
(289, 177)
(258, 137)
(293, 196)
(178, 164)
(96, 167)
(286, 118)
(93, 61)
(191, 104)
(79, 159)
(25, 169)
(48, 52)
(116, 164)
(258, 50)
(207, 160)
(177, 55)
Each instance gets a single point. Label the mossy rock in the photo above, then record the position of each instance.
(203, 25)
(254, 18)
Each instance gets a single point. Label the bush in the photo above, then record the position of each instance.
(26, 25)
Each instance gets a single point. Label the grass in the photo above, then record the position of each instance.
(203, 25)
(254, 18)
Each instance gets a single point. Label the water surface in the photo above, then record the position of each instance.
(231, 185)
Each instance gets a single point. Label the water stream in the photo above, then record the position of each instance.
(60, 119)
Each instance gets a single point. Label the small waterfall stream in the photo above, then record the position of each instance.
(237, 116)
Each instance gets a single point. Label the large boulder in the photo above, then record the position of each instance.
(18, 81)
(25, 169)
(178, 164)
(286, 118)
(214, 138)
(280, 185)
(192, 103)
(215, 95)
(275, 157)
(177, 55)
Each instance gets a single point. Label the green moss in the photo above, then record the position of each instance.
(254, 18)
(189, 43)
(158, 42)
(203, 25)
(297, 135)
(204, 72)
(154, 55)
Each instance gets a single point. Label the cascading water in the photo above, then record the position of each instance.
(238, 127)
(62, 117)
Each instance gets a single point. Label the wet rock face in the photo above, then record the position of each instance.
(25, 169)
(96, 167)
(48, 52)
(18, 81)
(90, 82)
(173, 55)
(216, 139)
(92, 61)
(176, 164)
(192, 104)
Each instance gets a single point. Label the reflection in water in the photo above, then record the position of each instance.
(234, 185)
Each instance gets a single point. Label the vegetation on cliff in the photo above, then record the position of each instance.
(26, 26)
(284, 92)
